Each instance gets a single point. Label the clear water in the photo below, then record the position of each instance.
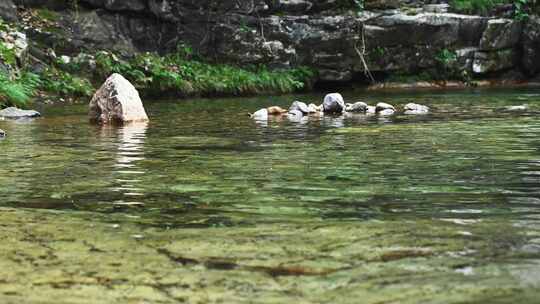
(436, 208)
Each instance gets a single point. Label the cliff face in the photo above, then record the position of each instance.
(333, 36)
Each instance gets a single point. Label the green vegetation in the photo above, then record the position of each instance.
(65, 84)
(17, 91)
(357, 5)
(522, 8)
(183, 74)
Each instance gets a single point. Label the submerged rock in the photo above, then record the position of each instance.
(16, 113)
(414, 108)
(299, 106)
(356, 107)
(530, 57)
(381, 106)
(519, 108)
(333, 103)
(261, 114)
(117, 101)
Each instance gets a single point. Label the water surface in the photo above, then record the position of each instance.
(215, 207)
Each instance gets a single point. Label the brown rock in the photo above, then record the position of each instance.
(117, 101)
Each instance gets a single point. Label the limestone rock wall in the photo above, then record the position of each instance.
(328, 35)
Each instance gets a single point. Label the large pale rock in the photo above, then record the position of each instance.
(500, 34)
(117, 101)
(15, 113)
(333, 103)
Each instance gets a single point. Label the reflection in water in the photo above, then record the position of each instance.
(130, 152)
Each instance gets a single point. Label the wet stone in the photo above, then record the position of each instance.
(520, 108)
(381, 106)
(16, 113)
(299, 106)
(333, 103)
(415, 109)
(356, 107)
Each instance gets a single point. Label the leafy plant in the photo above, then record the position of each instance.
(521, 9)
(177, 73)
(474, 6)
(65, 84)
(18, 91)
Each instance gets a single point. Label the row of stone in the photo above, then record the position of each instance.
(335, 104)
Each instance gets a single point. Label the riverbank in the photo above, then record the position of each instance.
(174, 50)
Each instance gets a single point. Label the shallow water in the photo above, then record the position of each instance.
(214, 207)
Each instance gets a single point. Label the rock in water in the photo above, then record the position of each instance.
(261, 114)
(295, 115)
(414, 108)
(371, 110)
(519, 108)
(275, 110)
(2, 133)
(117, 101)
(381, 106)
(386, 112)
(356, 107)
(333, 103)
(15, 113)
(299, 106)
(313, 108)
